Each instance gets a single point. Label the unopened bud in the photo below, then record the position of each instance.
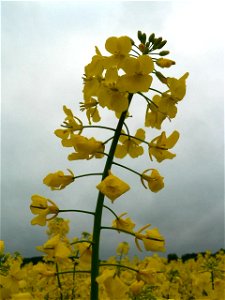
(157, 42)
(162, 44)
(165, 62)
(139, 35)
(143, 39)
(164, 53)
(161, 77)
(151, 38)
(141, 47)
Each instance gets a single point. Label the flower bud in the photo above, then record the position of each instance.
(165, 62)
(161, 77)
(139, 35)
(151, 38)
(164, 53)
(162, 44)
(157, 42)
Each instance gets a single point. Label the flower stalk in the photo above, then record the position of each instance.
(99, 208)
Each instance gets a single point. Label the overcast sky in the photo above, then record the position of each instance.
(45, 46)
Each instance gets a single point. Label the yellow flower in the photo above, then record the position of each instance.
(154, 117)
(92, 112)
(177, 86)
(55, 247)
(136, 287)
(58, 226)
(154, 180)
(91, 87)
(130, 145)
(109, 95)
(85, 252)
(2, 247)
(119, 47)
(115, 288)
(147, 275)
(124, 224)
(167, 105)
(112, 187)
(137, 78)
(40, 207)
(159, 146)
(71, 123)
(22, 296)
(85, 148)
(122, 248)
(95, 67)
(15, 275)
(152, 239)
(44, 269)
(58, 181)
(165, 62)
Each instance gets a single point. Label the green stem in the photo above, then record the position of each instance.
(212, 279)
(98, 126)
(119, 266)
(129, 232)
(81, 241)
(99, 208)
(73, 289)
(88, 174)
(77, 210)
(111, 211)
(129, 169)
(118, 230)
(58, 280)
(72, 272)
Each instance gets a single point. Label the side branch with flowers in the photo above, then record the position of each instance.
(112, 81)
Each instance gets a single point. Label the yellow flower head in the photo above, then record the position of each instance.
(177, 87)
(55, 247)
(109, 95)
(71, 123)
(154, 180)
(112, 187)
(85, 252)
(152, 239)
(115, 288)
(124, 224)
(136, 287)
(160, 145)
(58, 181)
(85, 148)
(58, 226)
(92, 112)
(42, 207)
(118, 45)
(122, 248)
(137, 78)
(130, 145)
(154, 116)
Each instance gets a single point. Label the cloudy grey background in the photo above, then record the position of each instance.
(45, 46)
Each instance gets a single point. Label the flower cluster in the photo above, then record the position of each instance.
(111, 81)
(120, 277)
